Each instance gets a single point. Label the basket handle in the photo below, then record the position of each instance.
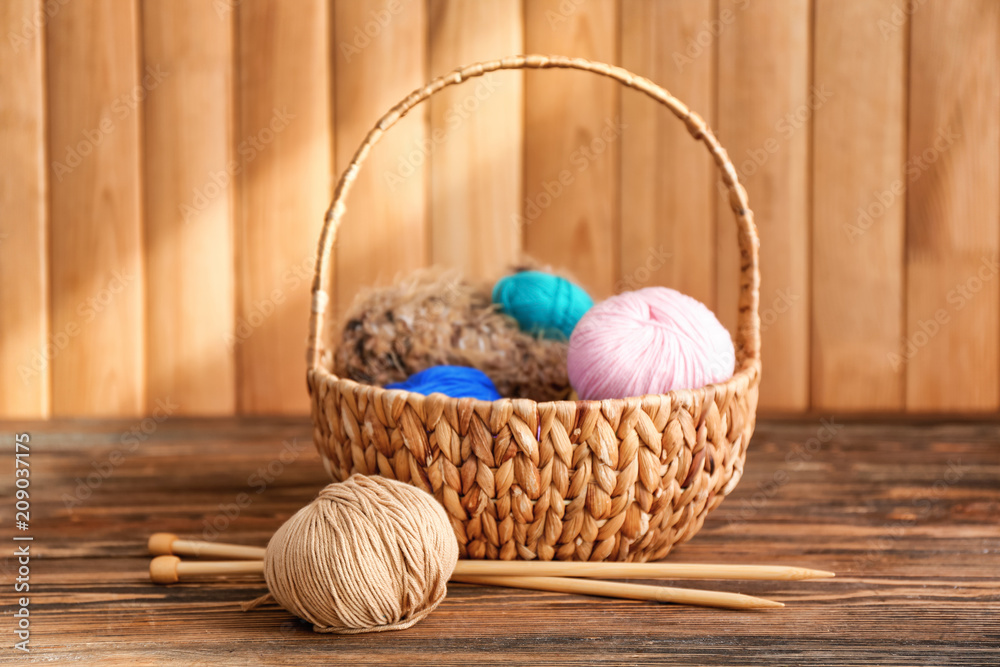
(748, 333)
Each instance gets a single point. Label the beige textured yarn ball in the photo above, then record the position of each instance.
(368, 554)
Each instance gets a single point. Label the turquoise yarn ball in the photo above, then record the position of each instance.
(542, 303)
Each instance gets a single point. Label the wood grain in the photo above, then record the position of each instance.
(385, 233)
(109, 302)
(667, 179)
(909, 526)
(24, 293)
(764, 122)
(476, 134)
(284, 149)
(858, 208)
(952, 346)
(95, 90)
(573, 140)
(189, 173)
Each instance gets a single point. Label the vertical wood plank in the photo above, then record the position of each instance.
(765, 107)
(476, 134)
(573, 138)
(283, 145)
(189, 182)
(858, 207)
(953, 219)
(380, 57)
(24, 387)
(95, 94)
(668, 179)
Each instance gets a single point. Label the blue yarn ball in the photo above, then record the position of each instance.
(542, 303)
(454, 381)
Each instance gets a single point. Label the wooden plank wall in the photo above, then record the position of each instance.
(572, 144)
(167, 165)
(764, 121)
(952, 241)
(189, 207)
(381, 56)
(97, 264)
(476, 138)
(24, 310)
(284, 151)
(661, 168)
(857, 156)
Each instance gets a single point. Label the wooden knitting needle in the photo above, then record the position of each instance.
(171, 569)
(605, 570)
(614, 589)
(166, 543)
(163, 544)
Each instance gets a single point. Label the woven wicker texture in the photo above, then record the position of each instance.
(620, 479)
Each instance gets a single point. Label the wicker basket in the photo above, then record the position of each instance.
(619, 479)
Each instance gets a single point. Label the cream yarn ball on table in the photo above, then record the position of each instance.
(368, 554)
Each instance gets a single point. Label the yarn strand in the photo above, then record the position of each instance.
(250, 605)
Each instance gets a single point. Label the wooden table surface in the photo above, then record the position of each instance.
(908, 517)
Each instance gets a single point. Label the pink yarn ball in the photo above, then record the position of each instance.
(650, 341)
